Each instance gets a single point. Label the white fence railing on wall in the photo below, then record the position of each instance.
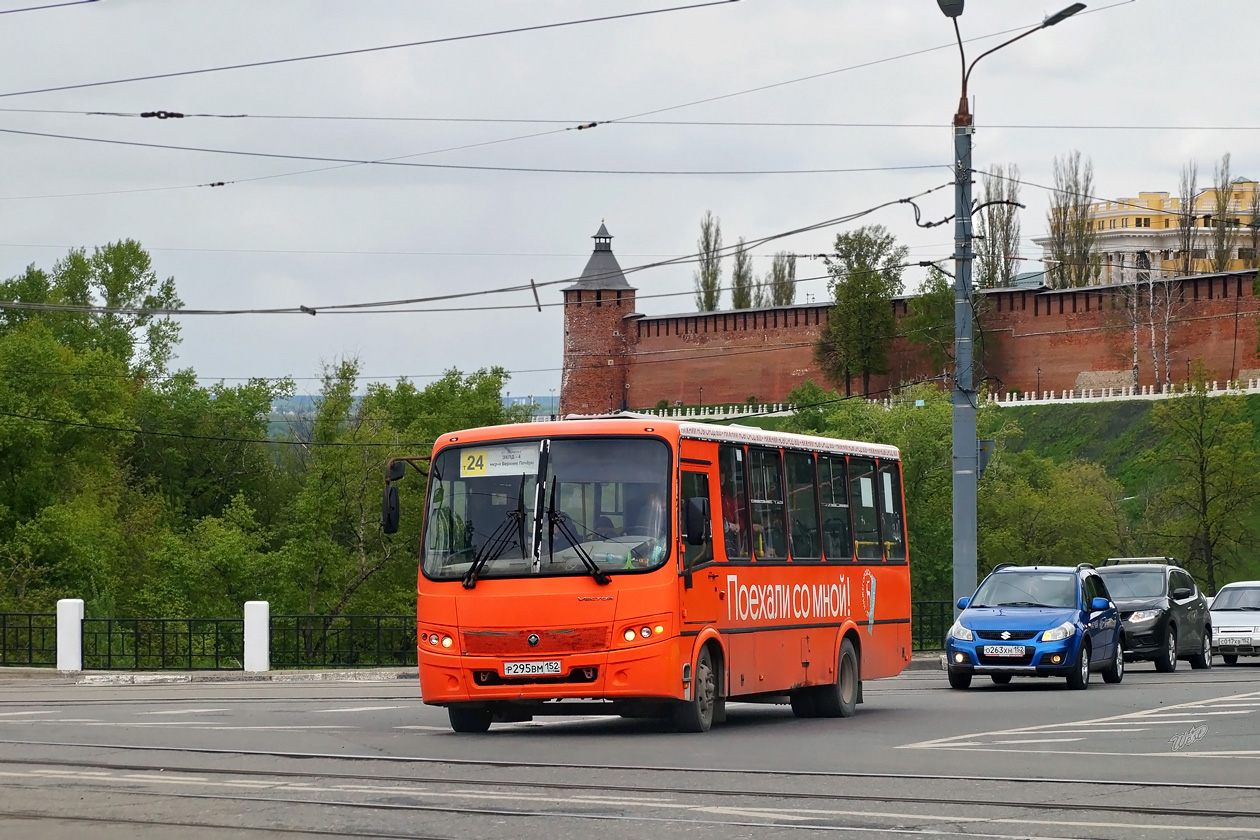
(1080, 395)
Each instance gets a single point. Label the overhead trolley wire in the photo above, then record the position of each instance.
(364, 50)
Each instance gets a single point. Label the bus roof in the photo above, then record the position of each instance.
(619, 423)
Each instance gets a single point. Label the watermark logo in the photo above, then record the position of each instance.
(1191, 736)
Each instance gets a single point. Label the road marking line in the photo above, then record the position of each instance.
(359, 709)
(1038, 741)
(184, 712)
(19, 714)
(430, 728)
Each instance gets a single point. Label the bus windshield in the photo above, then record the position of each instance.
(605, 498)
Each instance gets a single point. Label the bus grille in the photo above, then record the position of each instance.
(515, 642)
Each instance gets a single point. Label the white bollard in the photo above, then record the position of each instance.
(70, 634)
(257, 636)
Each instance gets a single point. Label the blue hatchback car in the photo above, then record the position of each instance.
(1037, 621)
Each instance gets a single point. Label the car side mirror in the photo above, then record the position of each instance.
(697, 516)
(963, 602)
(1182, 592)
(1099, 604)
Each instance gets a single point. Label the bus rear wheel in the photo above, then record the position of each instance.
(840, 698)
(696, 714)
(468, 718)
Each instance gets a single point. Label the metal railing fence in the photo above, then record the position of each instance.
(343, 641)
(929, 621)
(28, 639)
(297, 641)
(158, 644)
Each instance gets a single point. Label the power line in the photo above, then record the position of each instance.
(364, 50)
(582, 125)
(532, 286)
(473, 167)
(48, 6)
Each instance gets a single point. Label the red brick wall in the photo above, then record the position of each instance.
(733, 355)
(595, 329)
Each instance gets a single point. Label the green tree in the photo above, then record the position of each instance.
(1033, 510)
(781, 281)
(929, 322)
(708, 277)
(742, 278)
(1211, 479)
(997, 228)
(865, 275)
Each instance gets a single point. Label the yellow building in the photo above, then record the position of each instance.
(1141, 238)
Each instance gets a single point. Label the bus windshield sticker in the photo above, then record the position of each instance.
(868, 492)
(888, 499)
(498, 460)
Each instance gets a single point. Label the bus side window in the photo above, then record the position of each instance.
(769, 522)
(833, 493)
(803, 506)
(734, 494)
(890, 509)
(865, 513)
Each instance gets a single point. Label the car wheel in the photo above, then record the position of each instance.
(1166, 661)
(840, 698)
(1079, 678)
(1002, 679)
(1114, 672)
(464, 719)
(959, 679)
(1229, 658)
(1203, 659)
(696, 714)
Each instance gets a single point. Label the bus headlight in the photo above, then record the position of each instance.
(447, 641)
(629, 634)
(646, 632)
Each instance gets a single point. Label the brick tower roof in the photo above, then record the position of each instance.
(602, 270)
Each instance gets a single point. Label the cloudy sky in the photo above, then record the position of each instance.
(754, 86)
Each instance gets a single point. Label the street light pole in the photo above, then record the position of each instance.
(964, 397)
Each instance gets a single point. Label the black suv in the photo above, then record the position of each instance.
(1164, 614)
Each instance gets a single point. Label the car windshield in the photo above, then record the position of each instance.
(1237, 598)
(1131, 583)
(1027, 589)
(603, 498)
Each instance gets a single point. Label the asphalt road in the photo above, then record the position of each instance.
(1158, 756)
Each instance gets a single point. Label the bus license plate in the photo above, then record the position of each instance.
(1003, 650)
(530, 669)
(1232, 642)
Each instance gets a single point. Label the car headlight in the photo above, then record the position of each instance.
(1058, 634)
(1144, 615)
(961, 633)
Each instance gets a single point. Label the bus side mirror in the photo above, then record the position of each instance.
(389, 509)
(697, 518)
(395, 470)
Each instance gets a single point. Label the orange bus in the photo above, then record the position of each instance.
(642, 566)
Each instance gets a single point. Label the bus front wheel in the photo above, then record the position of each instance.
(840, 698)
(696, 714)
(468, 718)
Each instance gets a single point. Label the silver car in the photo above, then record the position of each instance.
(1236, 620)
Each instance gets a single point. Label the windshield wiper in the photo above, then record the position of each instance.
(1027, 604)
(559, 519)
(499, 541)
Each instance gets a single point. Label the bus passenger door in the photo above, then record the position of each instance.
(700, 581)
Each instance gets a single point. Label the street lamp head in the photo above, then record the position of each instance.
(1057, 17)
(951, 8)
